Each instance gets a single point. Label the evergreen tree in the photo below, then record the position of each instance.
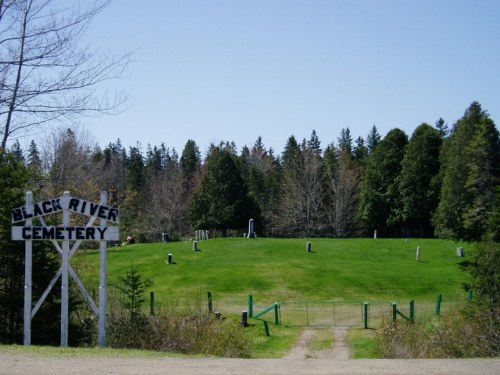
(134, 286)
(470, 176)
(380, 200)
(33, 160)
(442, 128)
(154, 163)
(360, 150)
(372, 140)
(17, 152)
(190, 163)
(135, 169)
(418, 181)
(345, 141)
(222, 202)
(314, 143)
(292, 156)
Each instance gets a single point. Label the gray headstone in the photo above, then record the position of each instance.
(251, 228)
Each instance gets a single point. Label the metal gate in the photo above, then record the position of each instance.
(321, 314)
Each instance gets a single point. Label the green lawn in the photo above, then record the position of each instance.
(275, 270)
(281, 270)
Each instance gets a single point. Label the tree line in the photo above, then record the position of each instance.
(437, 182)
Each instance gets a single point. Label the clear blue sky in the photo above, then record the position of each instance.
(217, 70)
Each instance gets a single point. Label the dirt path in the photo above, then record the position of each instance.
(339, 351)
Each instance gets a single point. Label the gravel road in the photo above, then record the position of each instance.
(301, 360)
(26, 364)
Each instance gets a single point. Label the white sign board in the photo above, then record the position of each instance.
(68, 203)
(65, 233)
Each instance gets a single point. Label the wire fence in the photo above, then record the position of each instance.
(353, 314)
(324, 313)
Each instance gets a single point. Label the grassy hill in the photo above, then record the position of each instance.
(273, 270)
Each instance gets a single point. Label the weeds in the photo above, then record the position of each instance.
(192, 331)
(469, 333)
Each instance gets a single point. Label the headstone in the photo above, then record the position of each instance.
(195, 245)
(418, 253)
(460, 251)
(308, 247)
(251, 229)
(375, 234)
(169, 259)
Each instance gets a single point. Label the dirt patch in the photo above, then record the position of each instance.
(338, 351)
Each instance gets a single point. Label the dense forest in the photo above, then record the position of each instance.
(439, 181)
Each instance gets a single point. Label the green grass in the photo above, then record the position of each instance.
(277, 345)
(362, 343)
(322, 340)
(281, 269)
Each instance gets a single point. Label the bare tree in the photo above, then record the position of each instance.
(68, 164)
(344, 184)
(301, 210)
(165, 207)
(45, 74)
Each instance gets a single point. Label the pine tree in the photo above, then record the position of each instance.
(373, 139)
(418, 181)
(222, 202)
(380, 200)
(314, 143)
(470, 176)
(345, 141)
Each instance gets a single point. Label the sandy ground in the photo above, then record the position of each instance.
(300, 360)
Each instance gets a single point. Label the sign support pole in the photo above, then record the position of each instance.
(65, 279)
(28, 251)
(103, 280)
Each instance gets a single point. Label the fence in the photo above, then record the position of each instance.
(350, 314)
(326, 313)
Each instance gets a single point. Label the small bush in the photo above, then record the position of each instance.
(469, 333)
(186, 332)
(402, 339)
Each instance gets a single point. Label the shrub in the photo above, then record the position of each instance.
(466, 334)
(402, 339)
(191, 331)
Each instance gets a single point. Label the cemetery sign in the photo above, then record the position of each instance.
(66, 239)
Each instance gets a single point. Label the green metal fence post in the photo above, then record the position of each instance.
(307, 314)
(365, 315)
(412, 311)
(266, 328)
(394, 311)
(276, 314)
(152, 303)
(438, 304)
(210, 303)
(250, 305)
(469, 295)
